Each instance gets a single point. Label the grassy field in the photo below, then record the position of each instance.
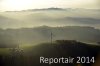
(29, 55)
(4, 51)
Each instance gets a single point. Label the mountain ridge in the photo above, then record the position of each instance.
(43, 34)
(53, 8)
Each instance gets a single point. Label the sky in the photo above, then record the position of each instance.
(13, 5)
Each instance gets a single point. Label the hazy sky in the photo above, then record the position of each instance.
(8, 5)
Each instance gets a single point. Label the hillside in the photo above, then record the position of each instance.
(43, 34)
(30, 56)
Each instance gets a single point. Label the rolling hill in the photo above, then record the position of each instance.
(43, 34)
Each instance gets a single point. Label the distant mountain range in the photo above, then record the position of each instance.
(50, 17)
(53, 8)
(73, 19)
(43, 34)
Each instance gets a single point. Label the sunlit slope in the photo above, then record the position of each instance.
(30, 55)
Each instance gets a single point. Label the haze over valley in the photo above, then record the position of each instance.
(51, 17)
(30, 29)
